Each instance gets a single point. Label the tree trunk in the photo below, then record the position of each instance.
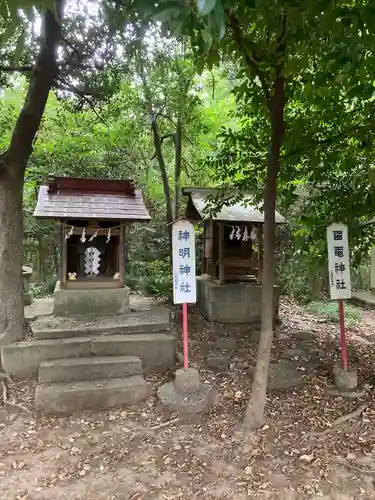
(254, 416)
(177, 170)
(12, 169)
(11, 286)
(163, 170)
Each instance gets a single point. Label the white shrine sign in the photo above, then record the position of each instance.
(338, 261)
(183, 257)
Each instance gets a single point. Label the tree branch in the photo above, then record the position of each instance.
(18, 69)
(250, 59)
(63, 85)
(46, 69)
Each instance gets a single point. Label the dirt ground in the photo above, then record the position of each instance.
(301, 452)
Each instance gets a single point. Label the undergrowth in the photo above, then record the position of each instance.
(329, 312)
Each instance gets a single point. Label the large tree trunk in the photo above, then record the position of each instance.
(254, 416)
(12, 170)
(11, 286)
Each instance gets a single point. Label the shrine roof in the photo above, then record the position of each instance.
(69, 198)
(234, 211)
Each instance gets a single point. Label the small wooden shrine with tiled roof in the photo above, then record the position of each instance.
(93, 215)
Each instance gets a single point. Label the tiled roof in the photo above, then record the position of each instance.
(104, 206)
(241, 211)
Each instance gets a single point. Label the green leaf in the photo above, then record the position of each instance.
(207, 38)
(220, 18)
(205, 6)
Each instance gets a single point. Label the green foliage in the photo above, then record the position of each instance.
(301, 279)
(329, 312)
(151, 277)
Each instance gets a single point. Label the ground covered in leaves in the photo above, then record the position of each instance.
(305, 450)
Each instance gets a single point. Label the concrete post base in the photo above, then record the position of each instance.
(187, 394)
(345, 380)
(90, 302)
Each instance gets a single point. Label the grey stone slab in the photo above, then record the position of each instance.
(295, 352)
(218, 363)
(66, 398)
(154, 349)
(303, 335)
(93, 368)
(133, 323)
(22, 359)
(227, 343)
(190, 404)
(282, 376)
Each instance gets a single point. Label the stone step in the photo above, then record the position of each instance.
(55, 328)
(66, 398)
(156, 350)
(22, 359)
(92, 368)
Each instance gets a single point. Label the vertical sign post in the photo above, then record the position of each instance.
(184, 280)
(339, 276)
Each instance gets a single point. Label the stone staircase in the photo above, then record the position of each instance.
(91, 365)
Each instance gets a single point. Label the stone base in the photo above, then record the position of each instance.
(186, 394)
(92, 302)
(232, 303)
(345, 380)
(27, 298)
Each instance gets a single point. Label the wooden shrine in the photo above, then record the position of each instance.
(229, 289)
(92, 216)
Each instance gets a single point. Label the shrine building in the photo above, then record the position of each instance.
(93, 215)
(229, 289)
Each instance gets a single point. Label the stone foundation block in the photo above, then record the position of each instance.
(232, 303)
(90, 302)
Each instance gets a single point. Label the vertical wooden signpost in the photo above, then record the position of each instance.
(339, 277)
(184, 279)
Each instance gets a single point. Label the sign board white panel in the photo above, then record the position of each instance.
(183, 255)
(338, 261)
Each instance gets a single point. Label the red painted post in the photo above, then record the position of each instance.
(185, 334)
(343, 346)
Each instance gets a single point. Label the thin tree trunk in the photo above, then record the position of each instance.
(177, 170)
(254, 416)
(12, 169)
(163, 170)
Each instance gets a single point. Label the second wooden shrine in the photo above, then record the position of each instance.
(229, 288)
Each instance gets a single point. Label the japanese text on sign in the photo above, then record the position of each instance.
(338, 261)
(183, 250)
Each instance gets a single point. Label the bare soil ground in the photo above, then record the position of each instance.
(302, 452)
